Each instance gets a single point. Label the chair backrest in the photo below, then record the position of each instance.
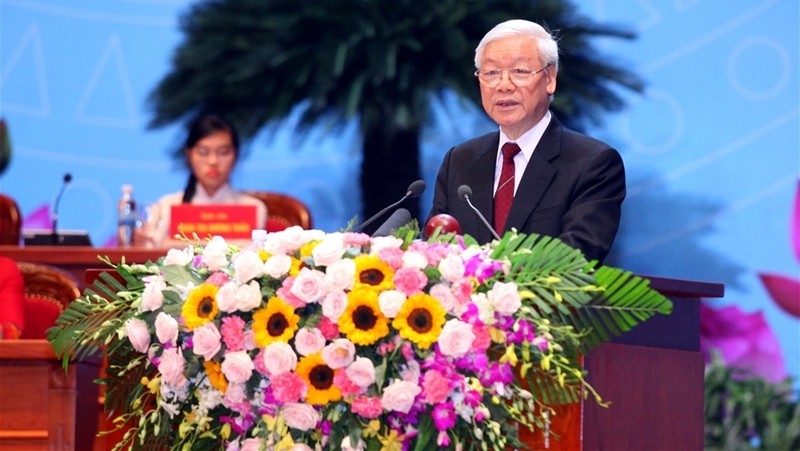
(10, 221)
(283, 210)
(48, 291)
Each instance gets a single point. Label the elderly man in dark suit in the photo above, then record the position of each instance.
(533, 175)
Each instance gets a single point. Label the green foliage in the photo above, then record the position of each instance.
(746, 412)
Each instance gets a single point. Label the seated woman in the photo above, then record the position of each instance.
(211, 151)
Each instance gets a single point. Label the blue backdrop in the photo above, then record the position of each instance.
(711, 148)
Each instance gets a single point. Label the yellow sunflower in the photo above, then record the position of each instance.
(215, 376)
(319, 379)
(275, 322)
(373, 273)
(362, 321)
(420, 320)
(200, 306)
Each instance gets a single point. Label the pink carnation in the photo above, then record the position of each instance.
(218, 279)
(410, 280)
(347, 386)
(355, 239)
(367, 406)
(329, 329)
(392, 256)
(288, 387)
(482, 338)
(435, 387)
(233, 332)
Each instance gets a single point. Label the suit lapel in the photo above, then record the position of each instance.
(538, 175)
(482, 176)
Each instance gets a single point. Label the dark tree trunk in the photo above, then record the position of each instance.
(389, 165)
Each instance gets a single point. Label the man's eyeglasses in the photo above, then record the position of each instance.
(519, 76)
(220, 152)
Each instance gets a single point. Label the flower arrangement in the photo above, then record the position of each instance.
(313, 340)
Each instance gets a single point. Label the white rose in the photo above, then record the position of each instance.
(456, 338)
(309, 341)
(309, 286)
(329, 250)
(277, 265)
(399, 396)
(215, 253)
(361, 372)
(248, 297)
(291, 238)
(505, 297)
(237, 366)
(166, 328)
(341, 275)
(180, 257)
(380, 243)
(339, 353)
(445, 297)
(226, 297)
(346, 446)
(390, 302)
(452, 268)
(300, 416)
(279, 358)
(414, 259)
(152, 296)
(246, 266)
(138, 335)
(334, 304)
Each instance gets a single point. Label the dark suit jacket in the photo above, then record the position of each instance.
(572, 189)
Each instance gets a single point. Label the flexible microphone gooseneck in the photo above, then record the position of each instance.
(54, 217)
(414, 190)
(464, 193)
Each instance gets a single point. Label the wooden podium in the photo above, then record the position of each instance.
(39, 399)
(653, 378)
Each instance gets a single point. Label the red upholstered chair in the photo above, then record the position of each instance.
(283, 211)
(10, 221)
(48, 291)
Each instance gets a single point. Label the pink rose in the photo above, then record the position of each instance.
(446, 298)
(279, 358)
(361, 372)
(207, 340)
(505, 297)
(329, 250)
(171, 365)
(456, 338)
(399, 396)
(334, 304)
(341, 275)
(226, 297)
(251, 444)
(137, 332)
(309, 286)
(246, 266)
(339, 353)
(237, 366)
(166, 328)
(152, 296)
(300, 416)
(308, 341)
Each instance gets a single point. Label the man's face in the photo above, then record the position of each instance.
(516, 108)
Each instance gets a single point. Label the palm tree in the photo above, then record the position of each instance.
(379, 62)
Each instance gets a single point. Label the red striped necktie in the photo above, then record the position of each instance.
(505, 188)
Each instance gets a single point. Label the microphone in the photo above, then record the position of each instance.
(464, 192)
(414, 190)
(399, 218)
(54, 233)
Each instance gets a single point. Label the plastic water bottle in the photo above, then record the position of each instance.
(127, 217)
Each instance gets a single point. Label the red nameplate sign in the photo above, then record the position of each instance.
(228, 221)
